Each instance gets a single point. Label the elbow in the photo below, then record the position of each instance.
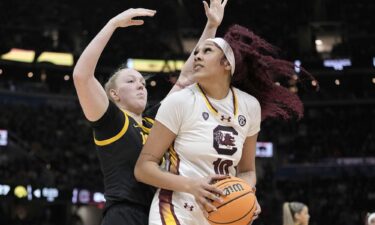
(138, 172)
(77, 76)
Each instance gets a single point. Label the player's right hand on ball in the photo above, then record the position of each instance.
(205, 192)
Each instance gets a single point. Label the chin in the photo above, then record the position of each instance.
(199, 76)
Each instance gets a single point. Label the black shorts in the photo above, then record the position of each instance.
(126, 214)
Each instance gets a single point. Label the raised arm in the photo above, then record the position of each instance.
(215, 14)
(91, 94)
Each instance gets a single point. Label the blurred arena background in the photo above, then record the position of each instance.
(49, 172)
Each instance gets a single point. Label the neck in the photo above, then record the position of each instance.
(135, 116)
(215, 90)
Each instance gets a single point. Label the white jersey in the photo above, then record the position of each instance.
(210, 137)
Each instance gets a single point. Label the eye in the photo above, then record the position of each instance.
(195, 52)
(130, 81)
(207, 50)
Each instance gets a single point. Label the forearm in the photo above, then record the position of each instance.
(187, 70)
(86, 64)
(150, 173)
(208, 32)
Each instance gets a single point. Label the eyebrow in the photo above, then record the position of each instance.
(136, 77)
(209, 44)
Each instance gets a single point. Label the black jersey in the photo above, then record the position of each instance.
(119, 140)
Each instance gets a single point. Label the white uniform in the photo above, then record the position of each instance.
(210, 138)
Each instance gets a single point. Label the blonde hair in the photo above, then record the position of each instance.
(289, 209)
(111, 83)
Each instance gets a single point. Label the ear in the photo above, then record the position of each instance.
(114, 95)
(227, 66)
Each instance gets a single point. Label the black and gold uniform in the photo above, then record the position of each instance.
(119, 140)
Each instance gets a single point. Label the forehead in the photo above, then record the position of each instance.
(207, 43)
(130, 73)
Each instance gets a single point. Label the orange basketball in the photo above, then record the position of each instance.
(238, 204)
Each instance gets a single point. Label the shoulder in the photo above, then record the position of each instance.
(247, 99)
(180, 97)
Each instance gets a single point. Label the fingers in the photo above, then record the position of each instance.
(146, 12)
(203, 209)
(216, 177)
(143, 12)
(136, 22)
(258, 210)
(224, 3)
(206, 7)
(214, 197)
(207, 205)
(214, 191)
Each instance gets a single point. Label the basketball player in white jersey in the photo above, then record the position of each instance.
(213, 128)
(210, 128)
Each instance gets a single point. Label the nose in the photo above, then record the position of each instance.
(140, 85)
(197, 57)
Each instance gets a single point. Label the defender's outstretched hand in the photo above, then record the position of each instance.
(126, 18)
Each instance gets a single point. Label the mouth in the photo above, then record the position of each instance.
(197, 67)
(142, 95)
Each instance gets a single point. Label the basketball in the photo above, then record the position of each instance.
(238, 206)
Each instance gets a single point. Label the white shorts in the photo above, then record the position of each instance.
(175, 208)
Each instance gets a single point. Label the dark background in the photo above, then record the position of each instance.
(326, 160)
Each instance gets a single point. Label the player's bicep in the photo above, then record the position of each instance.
(158, 142)
(247, 162)
(92, 98)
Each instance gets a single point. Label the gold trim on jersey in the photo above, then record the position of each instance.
(117, 136)
(174, 160)
(235, 103)
(145, 129)
(212, 108)
(166, 208)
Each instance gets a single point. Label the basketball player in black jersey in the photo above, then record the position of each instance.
(117, 118)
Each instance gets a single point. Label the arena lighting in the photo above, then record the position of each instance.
(318, 42)
(57, 58)
(264, 149)
(98, 197)
(84, 196)
(3, 137)
(373, 61)
(37, 193)
(155, 65)
(50, 193)
(19, 55)
(29, 193)
(325, 41)
(337, 64)
(297, 66)
(4, 189)
(66, 77)
(20, 191)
